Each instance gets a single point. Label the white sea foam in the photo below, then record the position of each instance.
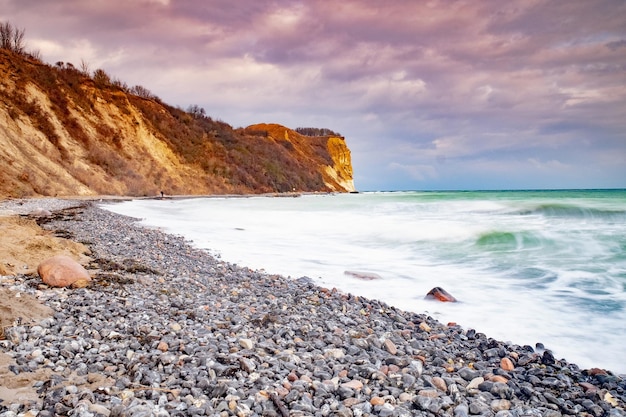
(525, 269)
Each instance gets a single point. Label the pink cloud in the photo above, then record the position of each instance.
(528, 71)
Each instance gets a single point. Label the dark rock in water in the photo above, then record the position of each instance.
(365, 276)
(440, 294)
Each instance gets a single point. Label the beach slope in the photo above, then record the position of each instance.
(166, 329)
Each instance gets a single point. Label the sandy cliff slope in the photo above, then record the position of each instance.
(63, 133)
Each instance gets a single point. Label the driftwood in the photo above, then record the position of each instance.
(279, 404)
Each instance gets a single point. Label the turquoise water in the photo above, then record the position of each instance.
(527, 266)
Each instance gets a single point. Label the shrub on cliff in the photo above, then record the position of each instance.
(315, 131)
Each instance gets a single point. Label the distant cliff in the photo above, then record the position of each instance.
(65, 132)
(328, 154)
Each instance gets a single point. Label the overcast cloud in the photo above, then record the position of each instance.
(429, 94)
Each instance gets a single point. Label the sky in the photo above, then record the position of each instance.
(429, 95)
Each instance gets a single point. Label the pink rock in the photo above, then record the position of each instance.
(355, 384)
(596, 371)
(394, 369)
(351, 402)
(440, 384)
(499, 378)
(390, 346)
(62, 271)
(430, 393)
(507, 364)
(377, 401)
(588, 387)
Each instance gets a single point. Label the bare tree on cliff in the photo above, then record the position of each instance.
(84, 68)
(142, 92)
(12, 38)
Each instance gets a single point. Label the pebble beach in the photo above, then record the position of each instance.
(165, 329)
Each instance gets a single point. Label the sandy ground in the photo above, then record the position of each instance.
(23, 245)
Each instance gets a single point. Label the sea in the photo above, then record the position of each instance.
(526, 267)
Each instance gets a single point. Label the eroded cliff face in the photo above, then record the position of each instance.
(341, 171)
(104, 151)
(64, 134)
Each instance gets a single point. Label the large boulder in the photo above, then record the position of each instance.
(63, 271)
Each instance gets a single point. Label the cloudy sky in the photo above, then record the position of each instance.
(476, 94)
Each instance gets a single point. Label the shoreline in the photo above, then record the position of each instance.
(254, 342)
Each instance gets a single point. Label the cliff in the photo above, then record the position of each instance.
(328, 153)
(65, 133)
